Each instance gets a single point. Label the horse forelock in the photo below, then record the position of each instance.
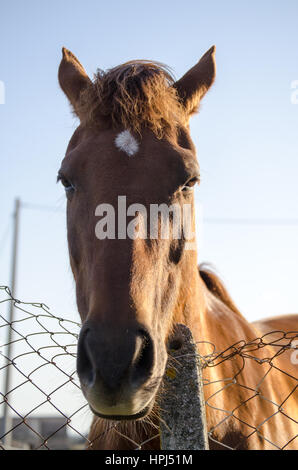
(134, 95)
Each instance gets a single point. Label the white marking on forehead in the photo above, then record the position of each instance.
(126, 142)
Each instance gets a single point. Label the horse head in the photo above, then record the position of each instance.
(129, 174)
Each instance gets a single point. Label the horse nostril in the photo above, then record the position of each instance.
(144, 358)
(85, 367)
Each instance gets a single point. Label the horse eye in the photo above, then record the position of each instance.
(68, 186)
(190, 184)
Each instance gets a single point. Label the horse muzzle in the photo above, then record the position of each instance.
(116, 368)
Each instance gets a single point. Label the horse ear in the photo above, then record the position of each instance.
(72, 79)
(196, 82)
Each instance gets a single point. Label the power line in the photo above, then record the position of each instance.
(243, 221)
(206, 220)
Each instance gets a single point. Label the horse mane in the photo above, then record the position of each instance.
(134, 95)
(216, 287)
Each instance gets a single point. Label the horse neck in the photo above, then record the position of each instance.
(208, 316)
(223, 326)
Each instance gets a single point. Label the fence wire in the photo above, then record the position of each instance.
(45, 406)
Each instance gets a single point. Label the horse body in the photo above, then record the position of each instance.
(134, 140)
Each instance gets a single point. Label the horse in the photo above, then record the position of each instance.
(133, 146)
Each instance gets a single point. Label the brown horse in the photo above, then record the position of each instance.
(133, 140)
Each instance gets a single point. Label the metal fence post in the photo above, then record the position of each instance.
(182, 404)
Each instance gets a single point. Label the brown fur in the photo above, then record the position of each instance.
(123, 285)
(134, 95)
(187, 87)
(216, 286)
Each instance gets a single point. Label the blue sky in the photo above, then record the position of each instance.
(246, 132)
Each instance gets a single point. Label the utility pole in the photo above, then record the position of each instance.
(7, 419)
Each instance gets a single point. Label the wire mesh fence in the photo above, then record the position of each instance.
(273, 420)
(43, 407)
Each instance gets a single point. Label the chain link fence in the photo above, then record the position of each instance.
(263, 353)
(43, 407)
